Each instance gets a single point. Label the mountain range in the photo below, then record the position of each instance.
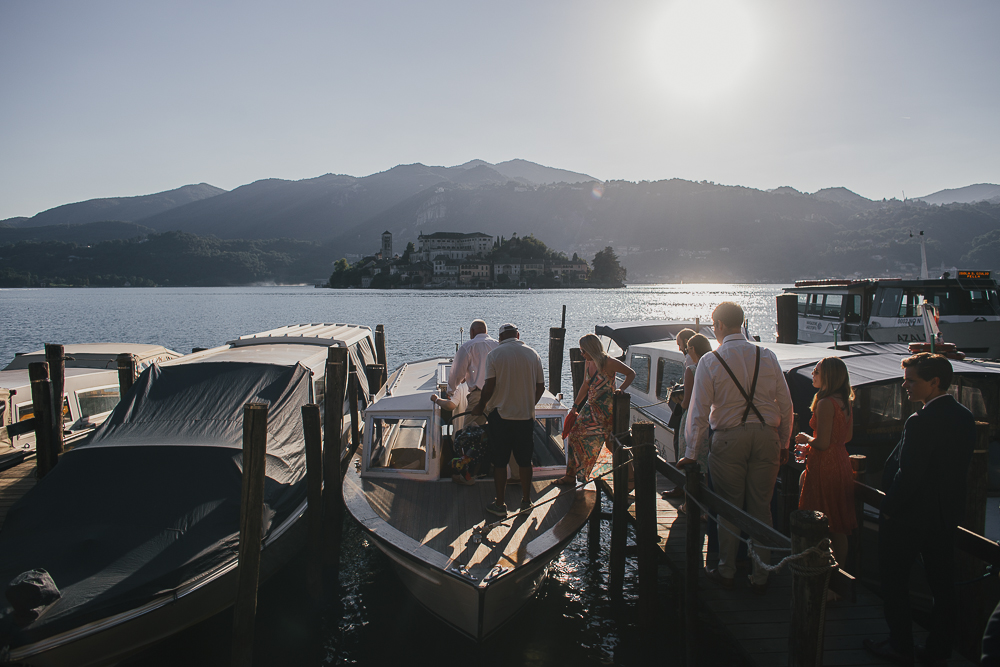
(664, 230)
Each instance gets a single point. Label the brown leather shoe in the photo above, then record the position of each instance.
(713, 574)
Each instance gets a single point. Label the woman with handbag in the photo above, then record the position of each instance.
(592, 418)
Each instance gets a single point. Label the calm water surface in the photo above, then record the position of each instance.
(371, 620)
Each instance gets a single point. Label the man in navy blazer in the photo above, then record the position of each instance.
(924, 480)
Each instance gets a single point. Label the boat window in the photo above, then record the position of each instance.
(815, 307)
(834, 305)
(803, 302)
(853, 313)
(955, 301)
(977, 394)
(888, 306)
(909, 304)
(640, 364)
(668, 372)
(27, 411)
(97, 401)
(398, 444)
(886, 402)
(549, 447)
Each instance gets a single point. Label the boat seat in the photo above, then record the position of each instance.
(408, 458)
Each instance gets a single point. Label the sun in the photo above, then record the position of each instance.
(704, 48)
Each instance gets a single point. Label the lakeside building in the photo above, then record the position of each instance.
(454, 245)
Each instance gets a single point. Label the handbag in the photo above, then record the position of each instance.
(568, 422)
(676, 416)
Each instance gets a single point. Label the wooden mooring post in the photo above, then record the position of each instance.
(335, 392)
(126, 373)
(619, 519)
(594, 526)
(859, 465)
(312, 434)
(55, 357)
(251, 531)
(576, 368)
(644, 455)
(45, 420)
(805, 636)
(692, 562)
(557, 339)
(788, 318)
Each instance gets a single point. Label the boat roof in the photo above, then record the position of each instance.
(19, 378)
(410, 387)
(326, 335)
(97, 355)
(285, 346)
(983, 279)
(627, 334)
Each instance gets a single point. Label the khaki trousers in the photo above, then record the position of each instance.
(472, 400)
(744, 463)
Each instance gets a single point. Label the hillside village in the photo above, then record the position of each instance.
(454, 259)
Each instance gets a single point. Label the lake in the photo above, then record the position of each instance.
(373, 620)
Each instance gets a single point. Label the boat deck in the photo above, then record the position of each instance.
(760, 624)
(441, 516)
(14, 483)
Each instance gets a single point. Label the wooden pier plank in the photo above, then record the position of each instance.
(760, 624)
(14, 483)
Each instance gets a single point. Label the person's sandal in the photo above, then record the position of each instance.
(566, 480)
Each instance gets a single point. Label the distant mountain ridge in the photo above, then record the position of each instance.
(121, 209)
(967, 195)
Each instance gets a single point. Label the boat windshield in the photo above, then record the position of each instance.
(398, 443)
(97, 401)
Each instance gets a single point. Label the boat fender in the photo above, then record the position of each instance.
(30, 594)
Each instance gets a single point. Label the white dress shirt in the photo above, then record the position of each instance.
(716, 401)
(470, 363)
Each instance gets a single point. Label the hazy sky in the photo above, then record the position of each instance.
(124, 98)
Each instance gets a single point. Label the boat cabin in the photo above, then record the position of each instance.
(406, 435)
(887, 311)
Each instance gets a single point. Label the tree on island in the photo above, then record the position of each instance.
(607, 271)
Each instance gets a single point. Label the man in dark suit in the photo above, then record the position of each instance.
(924, 480)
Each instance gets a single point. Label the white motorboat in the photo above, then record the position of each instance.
(466, 566)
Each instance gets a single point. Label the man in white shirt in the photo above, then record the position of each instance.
(514, 383)
(740, 392)
(470, 364)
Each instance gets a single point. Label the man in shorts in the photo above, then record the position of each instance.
(514, 383)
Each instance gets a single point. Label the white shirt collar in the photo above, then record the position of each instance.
(735, 336)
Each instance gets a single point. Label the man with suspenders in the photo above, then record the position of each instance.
(740, 392)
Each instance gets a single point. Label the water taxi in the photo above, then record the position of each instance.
(466, 566)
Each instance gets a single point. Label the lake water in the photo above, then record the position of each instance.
(372, 620)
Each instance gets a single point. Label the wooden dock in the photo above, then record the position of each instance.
(14, 483)
(760, 624)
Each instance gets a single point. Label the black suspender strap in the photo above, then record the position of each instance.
(753, 386)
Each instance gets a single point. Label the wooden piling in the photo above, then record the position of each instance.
(644, 450)
(251, 531)
(557, 340)
(380, 349)
(375, 374)
(788, 318)
(692, 562)
(126, 373)
(594, 527)
(335, 392)
(859, 466)
(619, 524)
(44, 413)
(577, 367)
(55, 357)
(805, 635)
(621, 416)
(311, 433)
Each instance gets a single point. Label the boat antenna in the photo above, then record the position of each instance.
(461, 332)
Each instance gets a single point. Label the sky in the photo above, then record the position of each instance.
(123, 98)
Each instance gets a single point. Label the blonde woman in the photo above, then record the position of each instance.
(593, 425)
(827, 483)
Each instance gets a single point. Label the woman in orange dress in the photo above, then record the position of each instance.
(828, 483)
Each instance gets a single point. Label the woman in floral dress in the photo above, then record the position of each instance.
(593, 424)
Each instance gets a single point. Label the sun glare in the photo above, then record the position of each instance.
(703, 48)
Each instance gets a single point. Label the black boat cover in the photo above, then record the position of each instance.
(152, 501)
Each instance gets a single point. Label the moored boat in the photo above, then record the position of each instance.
(467, 567)
(138, 526)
